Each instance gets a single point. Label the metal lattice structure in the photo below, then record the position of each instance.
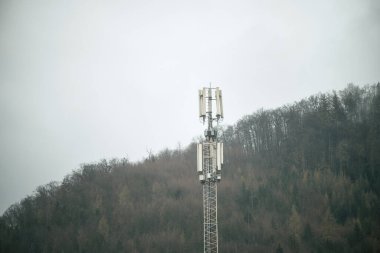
(210, 160)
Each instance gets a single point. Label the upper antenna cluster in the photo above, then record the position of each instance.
(208, 98)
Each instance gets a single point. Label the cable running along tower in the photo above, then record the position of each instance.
(209, 163)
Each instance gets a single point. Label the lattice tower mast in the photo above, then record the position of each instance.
(209, 164)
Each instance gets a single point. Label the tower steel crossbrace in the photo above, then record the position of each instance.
(210, 219)
(210, 160)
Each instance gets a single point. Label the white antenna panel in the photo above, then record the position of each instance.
(202, 104)
(221, 153)
(199, 158)
(218, 164)
(205, 99)
(219, 103)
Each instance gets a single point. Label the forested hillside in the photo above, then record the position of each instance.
(301, 178)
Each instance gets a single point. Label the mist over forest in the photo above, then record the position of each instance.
(304, 177)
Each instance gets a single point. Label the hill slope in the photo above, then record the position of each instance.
(301, 178)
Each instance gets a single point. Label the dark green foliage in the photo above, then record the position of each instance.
(279, 249)
(301, 178)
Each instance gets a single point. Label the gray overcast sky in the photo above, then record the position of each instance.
(86, 80)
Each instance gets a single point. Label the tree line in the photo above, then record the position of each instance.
(300, 178)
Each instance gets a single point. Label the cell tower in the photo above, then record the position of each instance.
(209, 164)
